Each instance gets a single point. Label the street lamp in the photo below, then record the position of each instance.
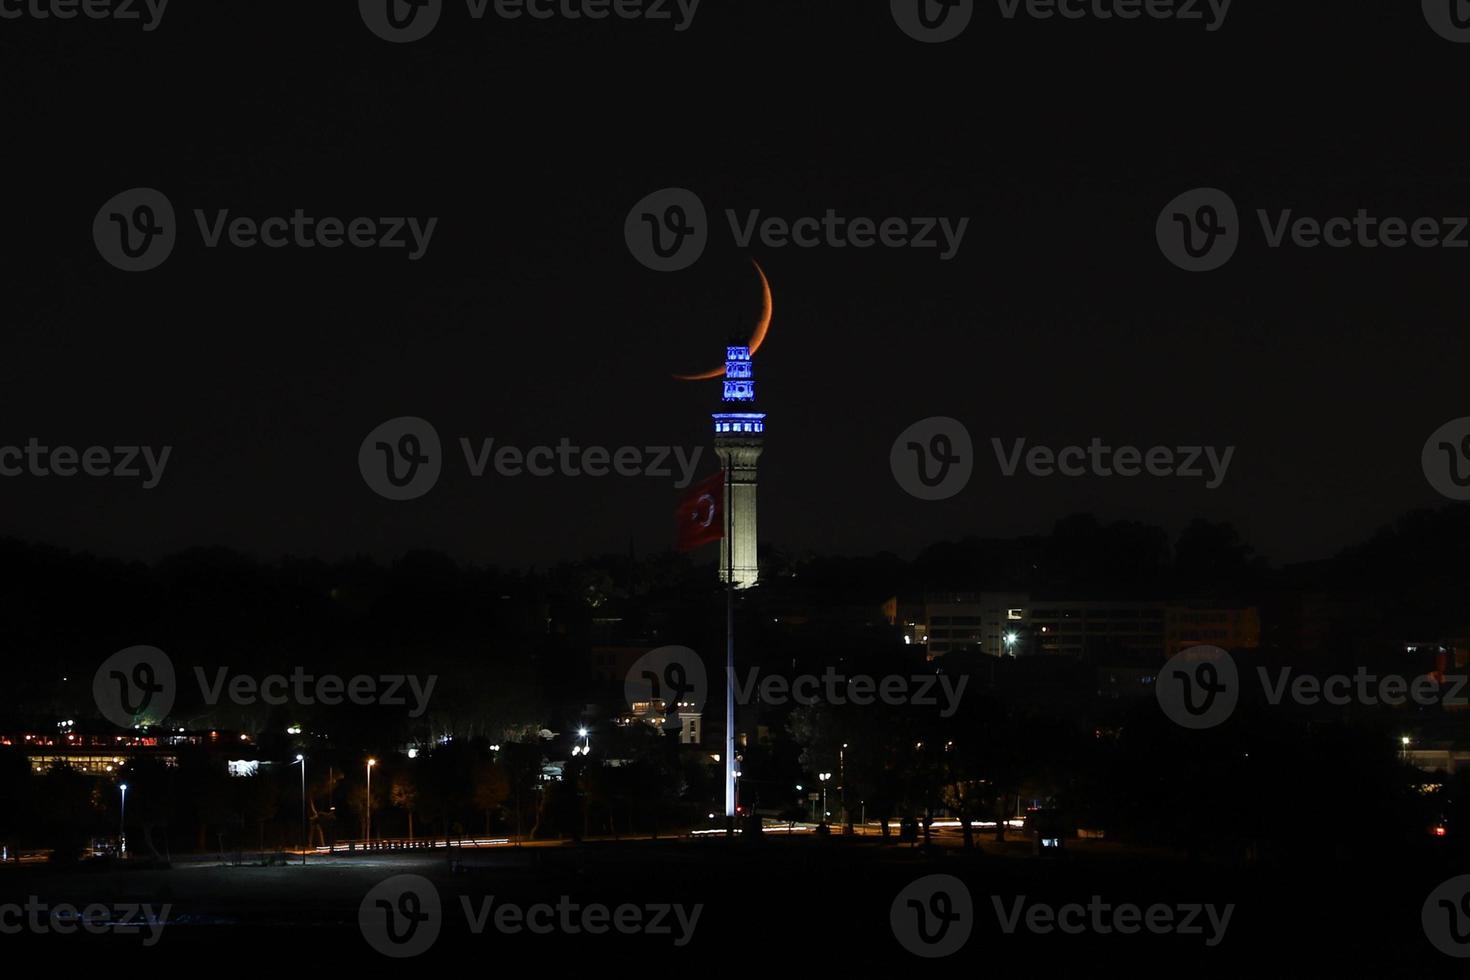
(1011, 639)
(824, 776)
(122, 823)
(305, 837)
(369, 808)
(842, 781)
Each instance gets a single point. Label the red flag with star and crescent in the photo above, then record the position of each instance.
(700, 518)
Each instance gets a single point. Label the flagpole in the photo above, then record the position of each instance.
(729, 646)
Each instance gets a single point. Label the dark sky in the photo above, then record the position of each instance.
(528, 319)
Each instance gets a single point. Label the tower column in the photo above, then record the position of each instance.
(739, 439)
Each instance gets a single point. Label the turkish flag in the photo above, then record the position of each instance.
(700, 518)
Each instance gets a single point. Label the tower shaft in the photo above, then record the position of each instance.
(739, 439)
(738, 560)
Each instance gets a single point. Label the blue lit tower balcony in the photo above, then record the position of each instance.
(739, 394)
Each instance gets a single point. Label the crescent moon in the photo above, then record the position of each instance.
(756, 339)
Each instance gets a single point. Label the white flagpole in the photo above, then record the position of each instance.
(729, 647)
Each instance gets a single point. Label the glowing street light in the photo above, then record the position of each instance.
(122, 823)
(369, 807)
(305, 837)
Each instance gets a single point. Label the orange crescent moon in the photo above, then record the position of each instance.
(756, 339)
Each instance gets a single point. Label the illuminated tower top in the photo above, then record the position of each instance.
(739, 384)
(739, 393)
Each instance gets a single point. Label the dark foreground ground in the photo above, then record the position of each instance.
(775, 907)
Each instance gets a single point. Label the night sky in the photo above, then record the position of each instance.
(528, 319)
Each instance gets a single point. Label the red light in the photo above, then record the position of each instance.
(1439, 831)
